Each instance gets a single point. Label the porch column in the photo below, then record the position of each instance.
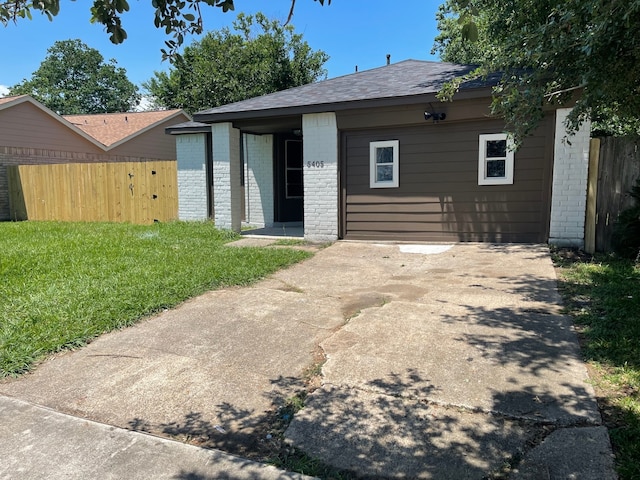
(569, 190)
(192, 176)
(320, 177)
(259, 194)
(226, 176)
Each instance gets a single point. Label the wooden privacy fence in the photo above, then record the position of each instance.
(614, 166)
(135, 192)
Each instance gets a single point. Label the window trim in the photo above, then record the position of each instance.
(395, 182)
(482, 160)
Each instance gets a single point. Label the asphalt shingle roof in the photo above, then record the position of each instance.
(110, 128)
(403, 79)
(10, 99)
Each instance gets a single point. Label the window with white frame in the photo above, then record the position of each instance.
(384, 169)
(495, 159)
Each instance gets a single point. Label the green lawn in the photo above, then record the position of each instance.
(62, 284)
(603, 295)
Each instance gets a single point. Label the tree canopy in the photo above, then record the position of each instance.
(259, 56)
(74, 79)
(549, 52)
(177, 18)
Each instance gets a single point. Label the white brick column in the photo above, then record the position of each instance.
(259, 201)
(569, 190)
(320, 155)
(191, 154)
(226, 176)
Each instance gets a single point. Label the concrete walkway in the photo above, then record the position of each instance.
(442, 362)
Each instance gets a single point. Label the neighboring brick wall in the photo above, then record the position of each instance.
(259, 180)
(570, 173)
(320, 153)
(226, 176)
(39, 156)
(192, 176)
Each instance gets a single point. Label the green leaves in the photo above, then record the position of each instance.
(550, 52)
(470, 31)
(74, 79)
(259, 56)
(14, 9)
(178, 18)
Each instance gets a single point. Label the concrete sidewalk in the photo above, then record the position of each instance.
(38, 443)
(442, 362)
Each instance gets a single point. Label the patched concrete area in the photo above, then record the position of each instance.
(467, 359)
(450, 361)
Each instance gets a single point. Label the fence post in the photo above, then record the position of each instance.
(592, 195)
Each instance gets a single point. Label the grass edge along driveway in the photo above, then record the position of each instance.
(62, 284)
(602, 293)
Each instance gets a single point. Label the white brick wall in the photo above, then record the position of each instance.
(569, 191)
(192, 176)
(259, 199)
(226, 176)
(320, 154)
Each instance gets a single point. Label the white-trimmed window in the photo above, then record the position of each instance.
(495, 159)
(384, 171)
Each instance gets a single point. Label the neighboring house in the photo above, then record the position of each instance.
(374, 155)
(32, 134)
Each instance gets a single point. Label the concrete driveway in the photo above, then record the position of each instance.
(449, 361)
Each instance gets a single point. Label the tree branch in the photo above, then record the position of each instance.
(566, 90)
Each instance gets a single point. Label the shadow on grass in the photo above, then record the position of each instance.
(602, 293)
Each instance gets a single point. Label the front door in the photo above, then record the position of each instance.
(289, 187)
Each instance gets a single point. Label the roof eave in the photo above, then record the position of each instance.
(178, 130)
(335, 106)
(146, 129)
(56, 117)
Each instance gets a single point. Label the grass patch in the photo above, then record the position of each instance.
(602, 293)
(62, 284)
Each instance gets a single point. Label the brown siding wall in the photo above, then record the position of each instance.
(25, 125)
(153, 143)
(439, 198)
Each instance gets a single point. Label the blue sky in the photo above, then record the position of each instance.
(352, 32)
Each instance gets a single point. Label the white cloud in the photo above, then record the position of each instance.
(146, 104)
(4, 91)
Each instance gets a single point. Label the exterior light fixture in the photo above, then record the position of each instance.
(436, 117)
(431, 114)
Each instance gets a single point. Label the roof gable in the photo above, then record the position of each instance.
(106, 131)
(7, 102)
(399, 81)
(112, 129)
(14, 98)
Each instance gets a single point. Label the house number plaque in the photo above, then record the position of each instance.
(319, 164)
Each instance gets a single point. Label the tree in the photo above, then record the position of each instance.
(551, 52)
(260, 56)
(460, 40)
(73, 79)
(177, 17)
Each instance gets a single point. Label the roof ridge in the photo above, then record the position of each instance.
(120, 113)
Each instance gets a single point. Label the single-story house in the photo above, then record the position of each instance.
(32, 134)
(374, 155)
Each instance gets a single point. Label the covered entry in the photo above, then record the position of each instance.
(441, 171)
(289, 188)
